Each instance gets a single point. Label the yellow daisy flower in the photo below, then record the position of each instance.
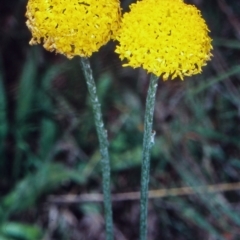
(73, 27)
(165, 37)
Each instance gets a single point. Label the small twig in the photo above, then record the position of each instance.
(152, 194)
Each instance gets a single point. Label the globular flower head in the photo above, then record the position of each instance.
(165, 37)
(73, 27)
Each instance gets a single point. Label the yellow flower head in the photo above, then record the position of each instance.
(165, 37)
(73, 27)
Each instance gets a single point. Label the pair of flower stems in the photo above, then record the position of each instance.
(148, 141)
(168, 38)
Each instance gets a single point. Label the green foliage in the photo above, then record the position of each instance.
(12, 230)
(27, 191)
(3, 116)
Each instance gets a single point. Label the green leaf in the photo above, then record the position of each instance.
(26, 94)
(235, 44)
(47, 137)
(21, 231)
(103, 85)
(27, 191)
(3, 114)
(209, 82)
(197, 218)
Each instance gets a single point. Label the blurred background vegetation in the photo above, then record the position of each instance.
(49, 151)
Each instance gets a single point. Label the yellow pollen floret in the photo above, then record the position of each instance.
(73, 27)
(165, 37)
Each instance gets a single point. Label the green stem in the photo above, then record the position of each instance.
(103, 142)
(148, 140)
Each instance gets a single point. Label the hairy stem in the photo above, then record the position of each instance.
(148, 140)
(103, 142)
